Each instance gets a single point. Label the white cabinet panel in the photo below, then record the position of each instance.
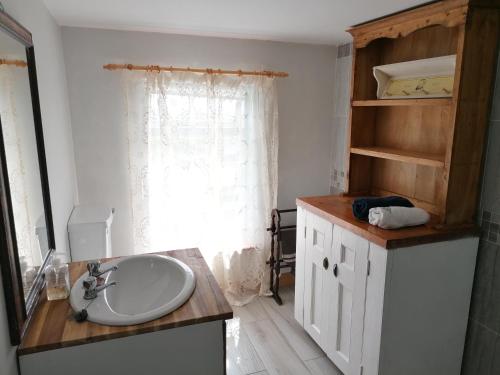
(367, 322)
(374, 304)
(193, 349)
(426, 307)
(300, 255)
(318, 247)
(345, 307)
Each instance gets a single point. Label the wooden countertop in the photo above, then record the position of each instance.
(338, 210)
(53, 325)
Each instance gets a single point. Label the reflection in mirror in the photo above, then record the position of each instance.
(18, 129)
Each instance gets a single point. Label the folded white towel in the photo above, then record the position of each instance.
(397, 217)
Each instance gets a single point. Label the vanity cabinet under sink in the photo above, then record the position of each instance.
(374, 309)
(188, 340)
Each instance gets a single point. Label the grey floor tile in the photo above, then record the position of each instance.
(273, 349)
(294, 334)
(241, 358)
(251, 312)
(264, 339)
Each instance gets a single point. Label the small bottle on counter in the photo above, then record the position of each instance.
(57, 278)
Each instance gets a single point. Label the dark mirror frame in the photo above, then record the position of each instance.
(20, 307)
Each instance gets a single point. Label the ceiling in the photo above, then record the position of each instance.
(302, 21)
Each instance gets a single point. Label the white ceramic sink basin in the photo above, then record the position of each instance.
(148, 287)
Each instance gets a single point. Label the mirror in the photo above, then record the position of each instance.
(27, 239)
(18, 129)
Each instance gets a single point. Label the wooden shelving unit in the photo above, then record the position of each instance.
(429, 150)
(402, 102)
(419, 158)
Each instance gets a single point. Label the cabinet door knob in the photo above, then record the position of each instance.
(325, 263)
(335, 270)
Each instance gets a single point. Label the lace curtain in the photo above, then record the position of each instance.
(203, 155)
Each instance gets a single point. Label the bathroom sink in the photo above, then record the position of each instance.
(148, 287)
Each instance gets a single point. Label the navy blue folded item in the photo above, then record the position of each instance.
(361, 206)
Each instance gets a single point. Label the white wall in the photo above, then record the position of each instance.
(57, 131)
(305, 107)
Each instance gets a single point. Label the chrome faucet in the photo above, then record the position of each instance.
(92, 289)
(94, 269)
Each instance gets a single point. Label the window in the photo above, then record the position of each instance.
(203, 164)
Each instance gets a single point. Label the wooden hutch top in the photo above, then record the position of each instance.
(429, 150)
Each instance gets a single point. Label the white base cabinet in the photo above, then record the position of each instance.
(383, 312)
(189, 350)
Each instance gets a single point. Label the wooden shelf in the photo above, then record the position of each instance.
(419, 158)
(402, 102)
(439, 128)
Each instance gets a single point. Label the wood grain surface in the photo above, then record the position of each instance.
(414, 157)
(402, 102)
(54, 327)
(448, 13)
(338, 210)
(430, 151)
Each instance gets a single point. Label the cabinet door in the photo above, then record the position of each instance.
(300, 256)
(346, 288)
(318, 247)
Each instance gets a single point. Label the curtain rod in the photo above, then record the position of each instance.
(157, 68)
(18, 63)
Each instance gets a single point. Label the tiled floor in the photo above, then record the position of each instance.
(264, 338)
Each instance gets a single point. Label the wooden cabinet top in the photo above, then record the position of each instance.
(448, 13)
(338, 210)
(54, 327)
